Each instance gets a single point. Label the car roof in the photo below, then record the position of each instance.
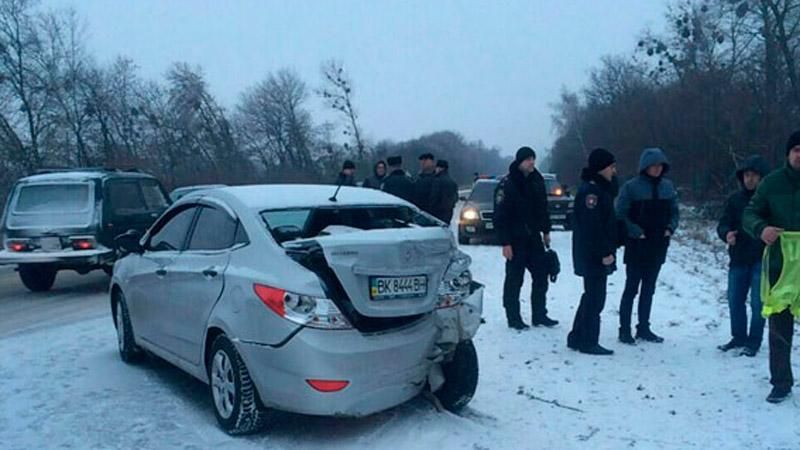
(82, 175)
(283, 196)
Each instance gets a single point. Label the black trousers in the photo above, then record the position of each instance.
(637, 275)
(586, 326)
(528, 257)
(781, 329)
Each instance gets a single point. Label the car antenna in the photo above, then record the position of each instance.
(333, 199)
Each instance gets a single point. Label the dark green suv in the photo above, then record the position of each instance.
(68, 219)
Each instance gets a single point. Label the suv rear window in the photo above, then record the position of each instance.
(50, 198)
(288, 224)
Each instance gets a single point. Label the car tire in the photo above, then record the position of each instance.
(37, 277)
(237, 406)
(109, 270)
(460, 378)
(463, 240)
(126, 343)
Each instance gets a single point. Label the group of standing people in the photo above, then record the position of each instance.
(432, 190)
(760, 225)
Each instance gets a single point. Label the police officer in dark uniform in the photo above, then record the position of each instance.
(594, 245)
(523, 228)
(398, 183)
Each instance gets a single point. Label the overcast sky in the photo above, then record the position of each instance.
(489, 70)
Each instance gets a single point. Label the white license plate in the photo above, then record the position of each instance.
(390, 288)
(489, 226)
(50, 243)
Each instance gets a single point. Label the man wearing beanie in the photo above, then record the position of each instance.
(522, 224)
(744, 273)
(347, 175)
(648, 204)
(398, 183)
(773, 215)
(594, 245)
(445, 193)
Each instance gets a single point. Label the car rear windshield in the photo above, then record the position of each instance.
(49, 198)
(288, 224)
(483, 192)
(52, 204)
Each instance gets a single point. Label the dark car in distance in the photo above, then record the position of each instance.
(67, 220)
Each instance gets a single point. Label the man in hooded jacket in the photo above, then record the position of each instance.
(648, 205)
(745, 252)
(347, 175)
(594, 247)
(523, 229)
(378, 176)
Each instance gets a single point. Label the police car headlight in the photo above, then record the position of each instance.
(470, 214)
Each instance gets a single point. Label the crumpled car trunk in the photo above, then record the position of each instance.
(380, 279)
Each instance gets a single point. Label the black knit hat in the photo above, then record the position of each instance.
(348, 165)
(426, 156)
(394, 160)
(599, 159)
(524, 153)
(794, 141)
(442, 163)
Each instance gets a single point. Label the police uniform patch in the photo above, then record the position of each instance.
(591, 201)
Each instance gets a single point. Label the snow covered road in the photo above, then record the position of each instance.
(65, 387)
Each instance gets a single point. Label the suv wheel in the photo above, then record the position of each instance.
(37, 277)
(236, 403)
(463, 240)
(460, 378)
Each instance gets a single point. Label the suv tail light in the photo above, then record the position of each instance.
(301, 309)
(19, 245)
(83, 242)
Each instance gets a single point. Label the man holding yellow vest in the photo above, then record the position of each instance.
(773, 215)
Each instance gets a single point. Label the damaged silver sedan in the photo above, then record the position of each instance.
(284, 298)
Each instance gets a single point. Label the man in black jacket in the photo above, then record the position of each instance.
(523, 228)
(423, 184)
(594, 245)
(745, 266)
(445, 193)
(347, 175)
(398, 183)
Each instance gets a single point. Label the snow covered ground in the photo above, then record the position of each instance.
(65, 386)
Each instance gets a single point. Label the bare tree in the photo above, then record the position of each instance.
(337, 93)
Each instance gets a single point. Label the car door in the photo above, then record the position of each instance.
(150, 284)
(197, 279)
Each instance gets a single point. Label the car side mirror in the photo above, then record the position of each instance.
(128, 242)
(285, 233)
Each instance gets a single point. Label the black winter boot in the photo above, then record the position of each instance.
(625, 336)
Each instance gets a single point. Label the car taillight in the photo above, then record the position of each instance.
(19, 246)
(328, 385)
(302, 309)
(82, 242)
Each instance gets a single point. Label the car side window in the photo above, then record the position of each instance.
(172, 235)
(215, 230)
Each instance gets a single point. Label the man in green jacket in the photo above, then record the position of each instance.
(773, 215)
